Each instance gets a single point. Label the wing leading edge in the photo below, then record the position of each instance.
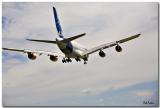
(108, 45)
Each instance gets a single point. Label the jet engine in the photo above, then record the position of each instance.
(102, 54)
(53, 58)
(31, 56)
(118, 48)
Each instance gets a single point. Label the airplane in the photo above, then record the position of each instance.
(69, 48)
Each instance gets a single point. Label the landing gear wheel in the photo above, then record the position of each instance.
(85, 62)
(63, 60)
(68, 60)
(77, 59)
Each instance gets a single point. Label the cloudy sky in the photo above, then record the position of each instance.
(129, 78)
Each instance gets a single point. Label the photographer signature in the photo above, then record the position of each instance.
(148, 102)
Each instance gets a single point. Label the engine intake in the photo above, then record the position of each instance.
(118, 48)
(53, 58)
(32, 56)
(102, 54)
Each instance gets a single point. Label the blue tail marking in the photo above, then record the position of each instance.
(58, 26)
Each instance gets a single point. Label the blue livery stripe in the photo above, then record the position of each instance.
(58, 26)
(69, 46)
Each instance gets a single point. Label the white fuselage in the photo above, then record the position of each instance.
(70, 49)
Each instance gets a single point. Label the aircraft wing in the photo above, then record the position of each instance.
(40, 52)
(108, 45)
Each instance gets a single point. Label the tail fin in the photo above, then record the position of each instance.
(58, 26)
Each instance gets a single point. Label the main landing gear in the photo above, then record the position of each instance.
(66, 60)
(78, 60)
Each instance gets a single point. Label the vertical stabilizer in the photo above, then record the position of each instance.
(58, 26)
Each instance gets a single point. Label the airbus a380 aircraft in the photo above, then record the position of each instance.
(69, 48)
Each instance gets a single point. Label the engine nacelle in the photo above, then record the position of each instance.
(32, 56)
(102, 54)
(118, 48)
(53, 58)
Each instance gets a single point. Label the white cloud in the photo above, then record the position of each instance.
(87, 90)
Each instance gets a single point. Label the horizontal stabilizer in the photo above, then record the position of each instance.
(73, 38)
(45, 41)
(54, 42)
